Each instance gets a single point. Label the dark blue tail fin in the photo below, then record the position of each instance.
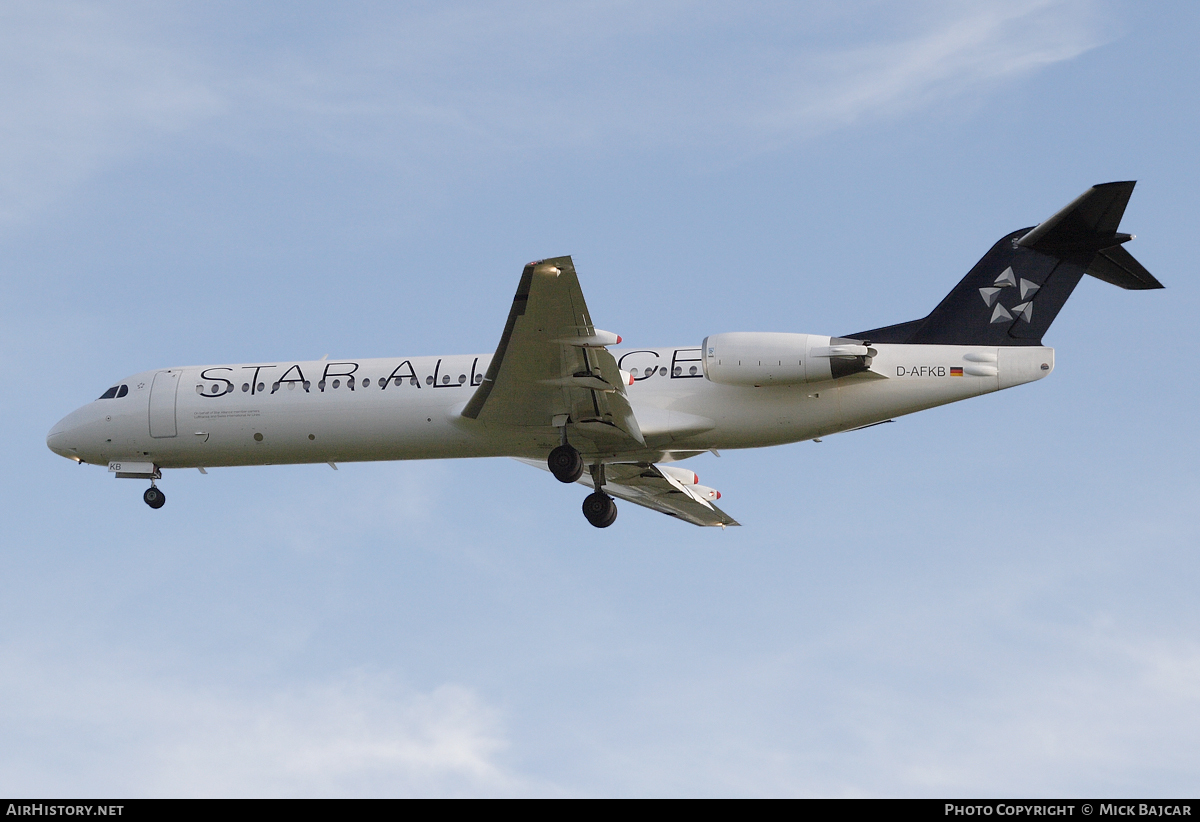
(1013, 294)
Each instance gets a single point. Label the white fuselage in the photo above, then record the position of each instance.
(410, 408)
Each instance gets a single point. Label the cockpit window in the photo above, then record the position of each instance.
(123, 391)
(110, 393)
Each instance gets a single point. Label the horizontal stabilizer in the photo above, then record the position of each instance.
(1088, 224)
(1117, 266)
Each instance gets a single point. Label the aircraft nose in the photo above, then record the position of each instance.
(62, 437)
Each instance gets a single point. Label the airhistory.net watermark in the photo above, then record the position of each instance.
(44, 809)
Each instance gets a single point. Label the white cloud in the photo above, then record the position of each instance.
(108, 730)
(84, 86)
(674, 75)
(357, 735)
(974, 48)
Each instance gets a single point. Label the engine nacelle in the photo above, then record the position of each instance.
(764, 358)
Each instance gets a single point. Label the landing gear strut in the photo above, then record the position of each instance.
(599, 507)
(154, 497)
(565, 463)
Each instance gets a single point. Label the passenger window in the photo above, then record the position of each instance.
(110, 393)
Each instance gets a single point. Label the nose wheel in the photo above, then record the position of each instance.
(154, 498)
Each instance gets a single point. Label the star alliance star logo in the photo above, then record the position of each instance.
(1023, 309)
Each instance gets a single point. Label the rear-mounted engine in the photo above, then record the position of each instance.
(765, 358)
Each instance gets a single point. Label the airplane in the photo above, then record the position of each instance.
(559, 394)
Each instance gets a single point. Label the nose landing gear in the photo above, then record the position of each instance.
(154, 498)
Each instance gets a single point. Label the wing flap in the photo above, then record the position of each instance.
(645, 485)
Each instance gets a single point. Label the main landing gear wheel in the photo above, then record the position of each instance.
(600, 509)
(565, 463)
(154, 497)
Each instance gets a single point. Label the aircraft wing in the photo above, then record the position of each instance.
(647, 485)
(551, 362)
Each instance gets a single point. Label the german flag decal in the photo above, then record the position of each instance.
(955, 372)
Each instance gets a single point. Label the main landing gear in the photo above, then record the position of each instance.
(565, 463)
(598, 507)
(154, 497)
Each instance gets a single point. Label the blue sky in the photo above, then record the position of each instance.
(991, 598)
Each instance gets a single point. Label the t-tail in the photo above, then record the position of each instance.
(1013, 294)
